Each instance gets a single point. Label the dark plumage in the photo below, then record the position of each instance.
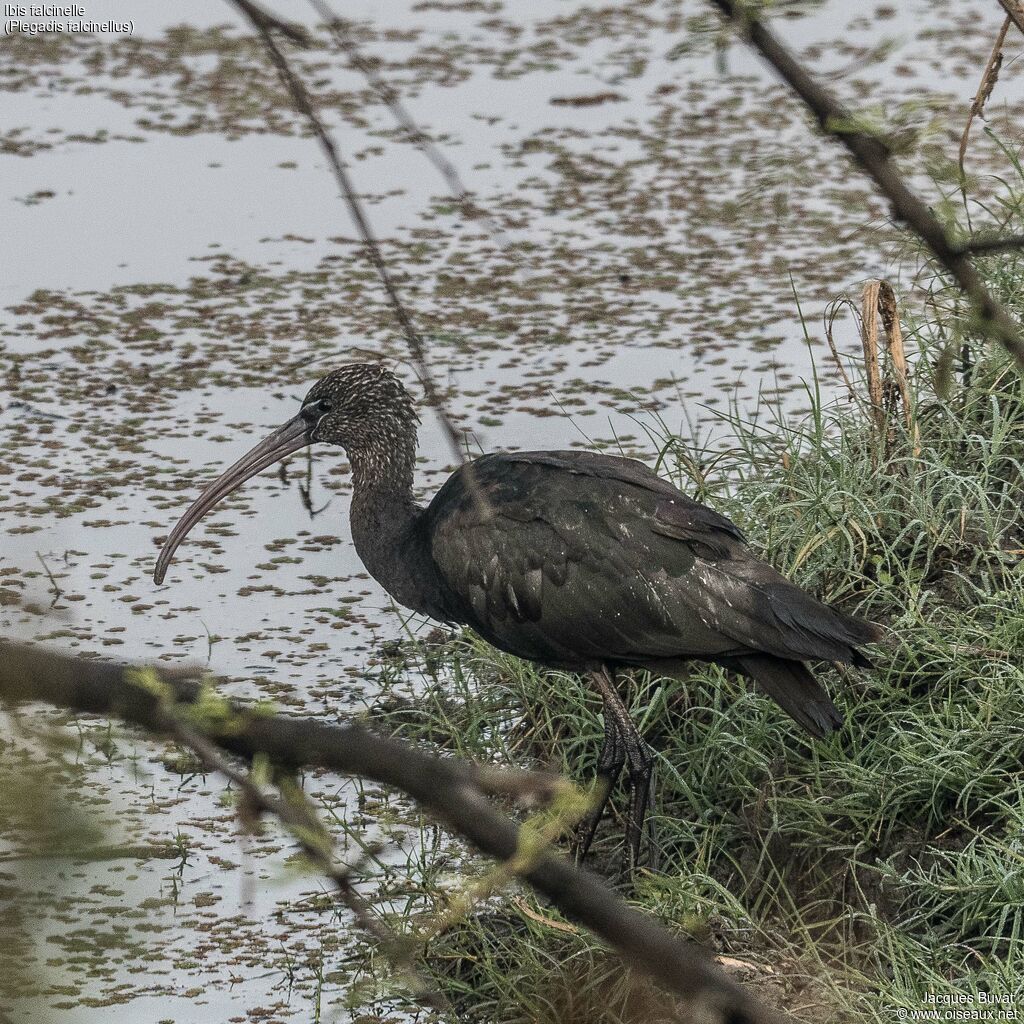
(574, 560)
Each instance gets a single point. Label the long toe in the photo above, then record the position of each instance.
(634, 843)
(587, 828)
(639, 823)
(653, 849)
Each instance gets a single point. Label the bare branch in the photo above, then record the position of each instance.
(342, 33)
(874, 158)
(341, 30)
(1014, 12)
(982, 245)
(448, 788)
(265, 25)
(262, 18)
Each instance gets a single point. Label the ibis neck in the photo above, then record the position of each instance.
(388, 531)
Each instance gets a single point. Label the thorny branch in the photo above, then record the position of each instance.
(874, 158)
(452, 790)
(266, 25)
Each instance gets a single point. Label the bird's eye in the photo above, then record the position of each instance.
(314, 410)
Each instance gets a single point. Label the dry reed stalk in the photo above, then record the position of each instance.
(888, 390)
(897, 354)
(869, 339)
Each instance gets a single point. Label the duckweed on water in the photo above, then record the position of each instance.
(663, 232)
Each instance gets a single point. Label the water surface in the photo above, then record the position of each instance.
(178, 269)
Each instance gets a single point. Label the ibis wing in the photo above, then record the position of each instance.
(559, 563)
(570, 557)
(565, 591)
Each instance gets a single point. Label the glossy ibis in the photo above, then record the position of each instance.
(574, 560)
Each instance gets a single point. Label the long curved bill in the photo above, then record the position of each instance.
(290, 437)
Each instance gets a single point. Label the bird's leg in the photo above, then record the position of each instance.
(609, 765)
(640, 761)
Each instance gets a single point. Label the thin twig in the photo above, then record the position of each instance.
(873, 156)
(985, 87)
(265, 25)
(301, 820)
(869, 311)
(341, 30)
(265, 20)
(446, 787)
(829, 319)
(57, 592)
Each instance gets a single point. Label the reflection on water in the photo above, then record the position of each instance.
(178, 269)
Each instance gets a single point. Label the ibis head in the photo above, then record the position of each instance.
(362, 407)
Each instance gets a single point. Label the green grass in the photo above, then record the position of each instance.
(869, 869)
